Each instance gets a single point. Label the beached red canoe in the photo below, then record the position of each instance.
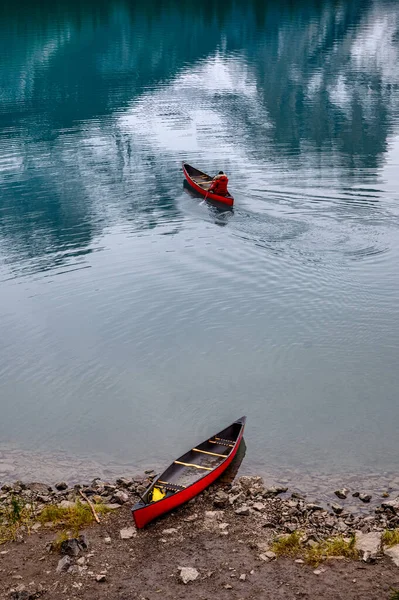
(190, 474)
(200, 182)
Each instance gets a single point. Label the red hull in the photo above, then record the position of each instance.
(229, 200)
(149, 512)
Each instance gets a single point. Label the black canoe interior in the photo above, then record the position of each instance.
(200, 178)
(205, 457)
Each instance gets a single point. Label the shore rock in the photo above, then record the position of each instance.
(365, 498)
(368, 545)
(39, 488)
(337, 508)
(342, 493)
(393, 553)
(61, 486)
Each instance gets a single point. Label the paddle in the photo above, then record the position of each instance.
(209, 189)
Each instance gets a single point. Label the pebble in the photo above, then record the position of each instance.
(319, 571)
(337, 508)
(188, 574)
(191, 518)
(63, 564)
(107, 540)
(243, 577)
(220, 500)
(365, 498)
(127, 533)
(120, 497)
(243, 511)
(268, 556)
(101, 578)
(170, 531)
(258, 506)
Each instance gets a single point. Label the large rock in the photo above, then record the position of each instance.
(392, 505)
(39, 488)
(393, 553)
(188, 574)
(368, 545)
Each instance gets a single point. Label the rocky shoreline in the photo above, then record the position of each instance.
(48, 536)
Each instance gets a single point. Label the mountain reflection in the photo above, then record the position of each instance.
(311, 79)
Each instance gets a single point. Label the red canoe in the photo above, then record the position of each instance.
(201, 181)
(190, 474)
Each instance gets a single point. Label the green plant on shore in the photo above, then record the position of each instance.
(16, 516)
(62, 536)
(288, 545)
(394, 595)
(329, 548)
(74, 517)
(390, 537)
(13, 516)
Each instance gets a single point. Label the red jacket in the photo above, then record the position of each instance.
(219, 186)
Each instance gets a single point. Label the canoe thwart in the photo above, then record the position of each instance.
(210, 453)
(178, 462)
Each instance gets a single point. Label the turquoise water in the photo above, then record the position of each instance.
(136, 320)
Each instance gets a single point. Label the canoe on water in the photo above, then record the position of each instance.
(201, 182)
(190, 474)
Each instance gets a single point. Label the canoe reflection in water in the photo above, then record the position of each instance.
(190, 474)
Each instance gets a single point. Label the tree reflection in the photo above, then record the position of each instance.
(67, 68)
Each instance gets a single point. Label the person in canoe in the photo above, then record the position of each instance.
(219, 184)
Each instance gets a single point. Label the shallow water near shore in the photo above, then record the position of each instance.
(136, 320)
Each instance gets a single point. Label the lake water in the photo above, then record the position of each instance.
(135, 319)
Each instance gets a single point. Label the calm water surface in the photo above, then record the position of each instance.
(134, 318)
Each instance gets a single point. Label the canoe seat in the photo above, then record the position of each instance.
(179, 462)
(173, 487)
(222, 442)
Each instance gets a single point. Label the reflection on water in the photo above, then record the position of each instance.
(133, 314)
